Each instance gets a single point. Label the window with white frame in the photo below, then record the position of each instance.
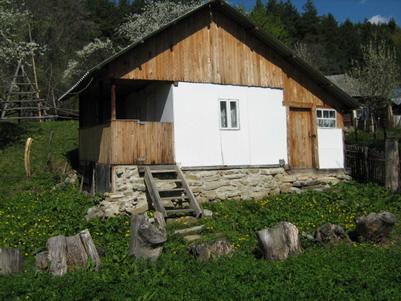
(326, 118)
(229, 114)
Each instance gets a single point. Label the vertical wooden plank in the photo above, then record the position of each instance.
(113, 102)
(315, 138)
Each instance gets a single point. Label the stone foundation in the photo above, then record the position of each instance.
(129, 196)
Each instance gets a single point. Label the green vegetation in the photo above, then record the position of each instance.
(31, 211)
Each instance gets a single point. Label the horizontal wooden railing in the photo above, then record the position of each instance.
(135, 142)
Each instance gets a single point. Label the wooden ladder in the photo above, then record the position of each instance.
(175, 198)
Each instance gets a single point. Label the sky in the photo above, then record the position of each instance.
(355, 10)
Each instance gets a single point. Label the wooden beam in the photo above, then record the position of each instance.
(302, 105)
(113, 102)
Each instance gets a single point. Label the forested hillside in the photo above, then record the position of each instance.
(70, 36)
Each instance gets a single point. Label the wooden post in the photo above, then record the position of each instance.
(49, 152)
(392, 164)
(391, 154)
(27, 157)
(113, 102)
(366, 163)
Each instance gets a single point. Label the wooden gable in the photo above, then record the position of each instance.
(209, 47)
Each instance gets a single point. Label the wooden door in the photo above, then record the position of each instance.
(301, 138)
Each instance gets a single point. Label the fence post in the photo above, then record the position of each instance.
(392, 163)
(366, 162)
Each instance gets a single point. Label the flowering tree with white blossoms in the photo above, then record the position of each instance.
(13, 41)
(13, 30)
(154, 15)
(90, 55)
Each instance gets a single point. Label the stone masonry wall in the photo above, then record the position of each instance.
(129, 196)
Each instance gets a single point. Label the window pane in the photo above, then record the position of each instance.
(319, 113)
(223, 114)
(326, 114)
(332, 114)
(332, 123)
(321, 123)
(233, 110)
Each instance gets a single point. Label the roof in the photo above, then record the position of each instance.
(346, 100)
(396, 96)
(352, 86)
(348, 84)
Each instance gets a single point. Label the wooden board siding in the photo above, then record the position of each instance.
(127, 142)
(95, 144)
(215, 49)
(142, 143)
(197, 50)
(301, 138)
(206, 47)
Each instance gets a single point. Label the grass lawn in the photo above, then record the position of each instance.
(31, 211)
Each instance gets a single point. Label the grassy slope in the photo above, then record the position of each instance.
(30, 212)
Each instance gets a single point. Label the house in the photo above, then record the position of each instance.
(361, 116)
(228, 104)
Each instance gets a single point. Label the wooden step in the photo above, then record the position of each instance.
(162, 171)
(179, 211)
(170, 198)
(162, 198)
(172, 190)
(168, 180)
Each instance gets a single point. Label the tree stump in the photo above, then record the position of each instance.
(205, 252)
(11, 261)
(64, 254)
(280, 241)
(375, 226)
(331, 234)
(147, 239)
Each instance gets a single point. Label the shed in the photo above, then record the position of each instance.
(210, 91)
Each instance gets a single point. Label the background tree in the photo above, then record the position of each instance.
(377, 74)
(14, 42)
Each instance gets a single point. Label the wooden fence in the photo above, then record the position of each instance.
(365, 164)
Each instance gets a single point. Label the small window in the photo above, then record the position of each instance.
(326, 118)
(229, 114)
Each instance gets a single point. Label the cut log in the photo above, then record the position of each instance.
(90, 247)
(57, 247)
(76, 253)
(280, 241)
(11, 261)
(66, 253)
(146, 239)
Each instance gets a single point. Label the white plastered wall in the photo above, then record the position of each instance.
(153, 103)
(199, 141)
(331, 148)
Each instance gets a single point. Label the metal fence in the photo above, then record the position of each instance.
(365, 164)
